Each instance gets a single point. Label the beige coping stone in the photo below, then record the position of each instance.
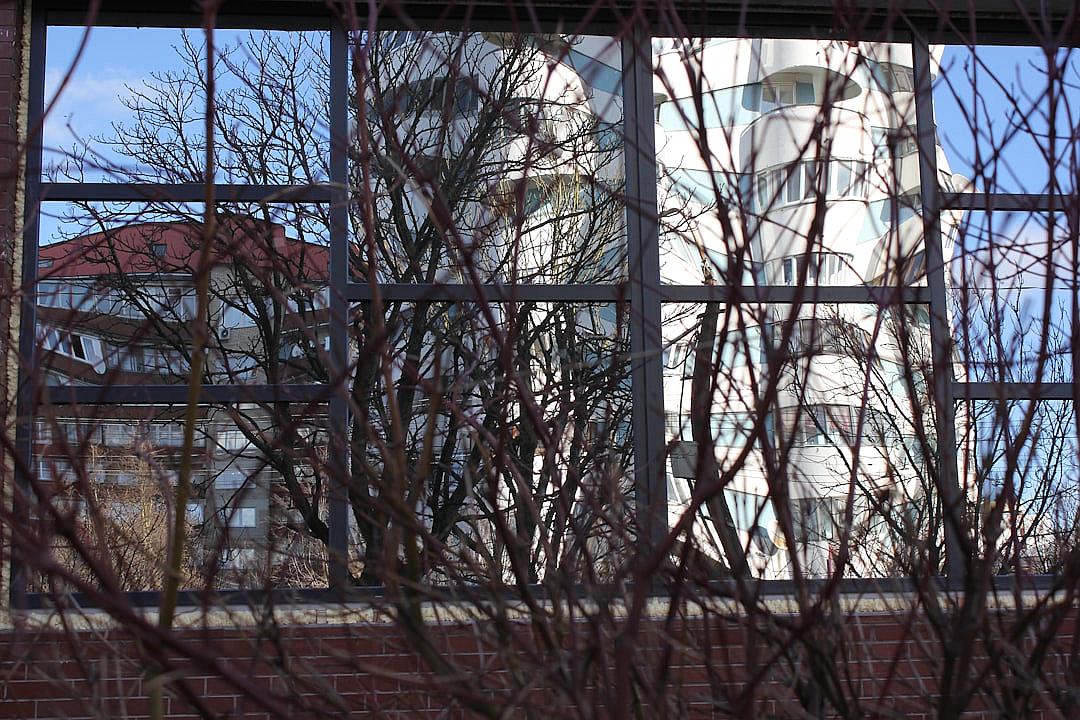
(375, 613)
(11, 379)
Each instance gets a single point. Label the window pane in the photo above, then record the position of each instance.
(1020, 470)
(1006, 117)
(258, 494)
(496, 157)
(821, 410)
(507, 429)
(1013, 293)
(132, 108)
(772, 157)
(112, 309)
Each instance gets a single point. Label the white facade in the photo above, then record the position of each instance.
(810, 178)
(510, 149)
(785, 163)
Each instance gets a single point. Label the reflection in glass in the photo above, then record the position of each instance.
(490, 157)
(1020, 469)
(1013, 291)
(813, 421)
(501, 433)
(795, 163)
(134, 99)
(1006, 117)
(117, 300)
(775, 154)
(106, 477)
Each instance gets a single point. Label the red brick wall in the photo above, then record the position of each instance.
(889, 668)
(10, 74)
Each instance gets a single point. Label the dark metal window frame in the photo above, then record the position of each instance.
(642, 288)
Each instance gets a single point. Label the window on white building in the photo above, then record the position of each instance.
(817, 519)
(233, 441)
(241, 517)
(231, 479)
(238, 558)
(194, 512)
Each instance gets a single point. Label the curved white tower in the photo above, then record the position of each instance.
(794, 163)
(784, 163)
(509, 148)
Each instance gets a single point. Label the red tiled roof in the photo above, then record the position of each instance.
(130, 249)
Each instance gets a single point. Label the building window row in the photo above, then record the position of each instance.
(821, 268)
(814, 425)
(809, 426)
(794, 183)
(433, 95)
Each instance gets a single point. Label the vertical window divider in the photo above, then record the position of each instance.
(956, 559)
(337, 462)
(645, 301)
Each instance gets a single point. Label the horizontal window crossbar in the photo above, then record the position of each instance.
(177, 394)
(617, 292)
(358, 292)
(732, 294)
(1013, 391)
(1003, 201)
(185, 192)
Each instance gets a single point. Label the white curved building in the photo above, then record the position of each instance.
(518, 136)
(785, 163)
(794, 163)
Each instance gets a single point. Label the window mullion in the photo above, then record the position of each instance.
(940, 334)
(338, 421)
(645, 297)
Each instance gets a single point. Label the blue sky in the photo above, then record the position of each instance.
(1004, 78)
(114, 62)
(114, 59)
(1007, 78)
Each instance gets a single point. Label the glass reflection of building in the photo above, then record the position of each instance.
(117, 308)
(500, 161)
(522, 140)
(814, 197)
(812, 160)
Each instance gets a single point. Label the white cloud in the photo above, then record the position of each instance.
(1016, 256)
(88, 104)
